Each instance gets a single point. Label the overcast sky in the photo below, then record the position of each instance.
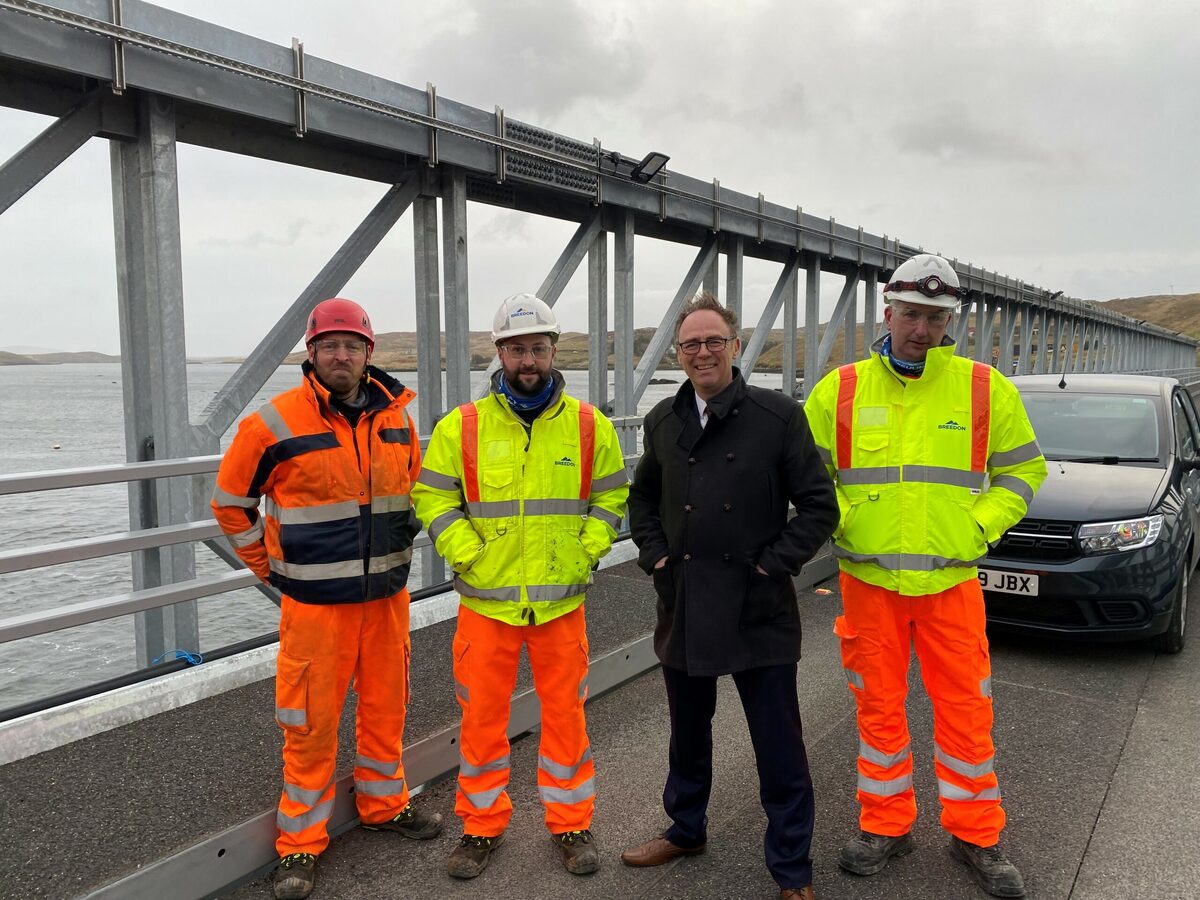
(1055, 142)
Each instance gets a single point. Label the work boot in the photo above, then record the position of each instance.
(991, 868)
(471, 855)
(418, 824)
(295, 876)
(578, 850)
(869, 853)
(804, 893)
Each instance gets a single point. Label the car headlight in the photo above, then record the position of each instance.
(1128, 534)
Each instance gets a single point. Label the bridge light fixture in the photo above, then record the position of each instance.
(651, 164)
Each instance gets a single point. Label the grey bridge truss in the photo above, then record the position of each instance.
(145, 78)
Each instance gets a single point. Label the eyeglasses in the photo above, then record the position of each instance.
(714, 345)
(930, 286)
(518, 351)
(352, 348)
(912, 317)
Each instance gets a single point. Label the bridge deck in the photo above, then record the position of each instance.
(1096, 754)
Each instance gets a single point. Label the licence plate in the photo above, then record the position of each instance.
(1008, 582)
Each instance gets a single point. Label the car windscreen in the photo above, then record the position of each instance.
(1095, 427)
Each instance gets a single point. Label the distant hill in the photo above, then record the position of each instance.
(51, 359)
(1178, 312)
(16, 359)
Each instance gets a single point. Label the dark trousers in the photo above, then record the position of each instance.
(785, 787)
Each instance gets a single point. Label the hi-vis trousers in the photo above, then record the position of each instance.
(486, 652)
(947, 630)
(321, 647)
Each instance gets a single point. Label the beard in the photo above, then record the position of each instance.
(518, 385)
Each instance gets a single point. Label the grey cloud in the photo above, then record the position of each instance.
(256, 240)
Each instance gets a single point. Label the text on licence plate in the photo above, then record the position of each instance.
(1008, 582)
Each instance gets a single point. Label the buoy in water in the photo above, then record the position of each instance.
(56, 446)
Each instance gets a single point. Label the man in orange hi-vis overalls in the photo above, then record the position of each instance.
(933, 458)
(313, 494)
(522, 493)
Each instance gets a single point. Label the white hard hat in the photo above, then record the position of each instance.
(925, 279)
(523, 314)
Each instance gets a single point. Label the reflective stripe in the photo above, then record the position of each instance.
(540, 593)
(555, 507)
(610, 519)
(825, 455)
(395, 436)
(587, 447)
(847, 383)
(483, 799)
(386, 788)
(870, 475)
(885, 788)
(981, 415)
(313, 515)
(503, 593)
(879, 758)
(286, 716)
(470, 451)
(558, 770)
(224, 498)
(963, 768)
(585, 791)
(944, 475)
(462, 691)
(583, 690)
(379, 564)
(297, 794)
(245, 538)
(444, 521)
(617, 479)
(1016, 485)
(317, 571)
(390, 503)
(985, 687)
(854, 679)
(439, 482)
(377, 765)
(1024, 453)
(272, 418)
(296, 824)
(493, 509)
(499, 764)
(912, 562)
(949, 791)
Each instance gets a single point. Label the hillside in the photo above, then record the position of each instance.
(1178, 312)
(16, 359)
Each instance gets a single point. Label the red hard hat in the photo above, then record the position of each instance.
(338, 314)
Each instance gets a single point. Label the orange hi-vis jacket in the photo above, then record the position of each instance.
(319, 509)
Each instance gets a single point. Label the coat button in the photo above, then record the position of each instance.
(688, 508)
(729, 456)
(727, 507)
(691, 460)
(687, 557)
(735, 412)
(726, 557)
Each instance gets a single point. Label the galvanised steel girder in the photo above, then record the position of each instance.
(250, 87)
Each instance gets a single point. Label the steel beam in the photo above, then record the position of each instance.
(598, 320)
(154, 352)
(735, 277)
(223, 410)
(429, 341)
(48, 150)
(665, 333)
(570, 258)
(454, 242)
(812, 312)
(1026, 340)
(845, 299)
(850, 325)
(758, 339)
(870, 312)
(624, 402)
(788, 362)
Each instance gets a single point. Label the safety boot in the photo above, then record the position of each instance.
(471, 855)
(991, 868)
(869, 853)
(578, 850)
(418, 824)
(295, 876)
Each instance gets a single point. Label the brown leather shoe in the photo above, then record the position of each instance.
(657, 851)
(804, 893)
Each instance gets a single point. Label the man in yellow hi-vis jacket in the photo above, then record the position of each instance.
(933, 458)
(522, 493)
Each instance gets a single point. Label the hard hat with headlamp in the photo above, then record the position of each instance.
(523, 314)
(926, 279)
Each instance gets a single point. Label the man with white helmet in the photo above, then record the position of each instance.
(522, 493)
(933, 458)
(334, 459)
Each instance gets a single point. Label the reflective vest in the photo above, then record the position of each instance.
(522, 516)
(317, 508)
(928, 471)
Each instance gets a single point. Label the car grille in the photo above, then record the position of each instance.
(1038, 539)
(1046, 610)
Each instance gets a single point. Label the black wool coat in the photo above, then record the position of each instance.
(714, 501)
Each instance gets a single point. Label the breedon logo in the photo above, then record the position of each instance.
(565, 461)
(951, 425)
(517, 313)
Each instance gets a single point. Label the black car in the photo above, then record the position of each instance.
(1109, 543)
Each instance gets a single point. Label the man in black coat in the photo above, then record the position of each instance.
(709, 514)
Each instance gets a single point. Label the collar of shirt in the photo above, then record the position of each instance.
(702, 410)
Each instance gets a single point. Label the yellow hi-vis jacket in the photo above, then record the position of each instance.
(522, 516)
(928, 471)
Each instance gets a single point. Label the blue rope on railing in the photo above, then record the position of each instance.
(193, 659)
